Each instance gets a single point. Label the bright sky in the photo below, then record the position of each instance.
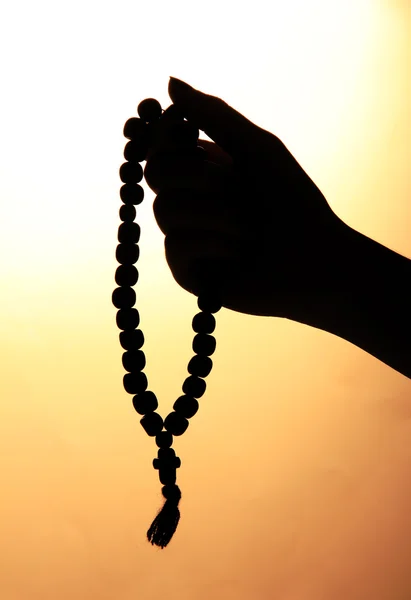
(295, 471)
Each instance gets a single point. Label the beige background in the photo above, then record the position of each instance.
(296, 471)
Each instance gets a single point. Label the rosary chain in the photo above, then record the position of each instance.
(140, 131)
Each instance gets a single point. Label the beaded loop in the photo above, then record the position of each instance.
(126, 275)
(127, 253)
(194, 386)
(153, 131)
(149, 109)
(167, 455)
(131, 172)
(128, 318)
(203, 323)
(134, 360)
(130, 339)
(124, 297)
(127, 212)
(200, 366)
(175, 423)
(145, 403)
(209, 302)
(164, 439)
(129, 232)
(135, 383)
(152, 423)
(204, 344)
(167, 474)
(131, 193)
(135, 151)
(171, 492)
(186, 406)
(135, 128)
(172, 113)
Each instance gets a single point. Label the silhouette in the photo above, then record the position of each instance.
(152, 132)
(245, 228)
(252, 213)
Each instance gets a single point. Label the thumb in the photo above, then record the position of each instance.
(228, 128)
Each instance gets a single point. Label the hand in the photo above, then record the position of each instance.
(249, 210)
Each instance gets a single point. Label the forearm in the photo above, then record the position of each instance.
(368, 302)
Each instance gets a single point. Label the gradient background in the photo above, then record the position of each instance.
(296, 472)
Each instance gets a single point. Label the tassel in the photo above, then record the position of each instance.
(164, 525)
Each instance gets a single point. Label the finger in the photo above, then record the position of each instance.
(188, 209)
(165, 170)
(215, 154)
(233, 132)
(187, 249)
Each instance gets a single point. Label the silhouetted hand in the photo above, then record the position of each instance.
(250, 209)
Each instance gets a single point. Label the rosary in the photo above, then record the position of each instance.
(157, 130)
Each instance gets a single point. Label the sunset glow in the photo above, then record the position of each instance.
(295, 471)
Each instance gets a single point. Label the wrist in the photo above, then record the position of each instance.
(366, 299)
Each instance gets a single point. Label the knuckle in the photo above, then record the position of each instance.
(168, 210)
(157, 169)
(178, 204)
(174, 170)
(185, 249)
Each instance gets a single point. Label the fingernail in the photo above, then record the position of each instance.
(180, 86)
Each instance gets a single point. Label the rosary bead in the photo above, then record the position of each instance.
(131, 340)
(126, 275)
(127, 212)
(127, 318)
(194, 386)
(175, 423)
(167, 476)
(209, 302)
(124, 297)
(145, 403)
(149, 109)
(156, 131)
(136, 150)
(135, 383)
(131, 193)
(204, 344)
(172, 113)
(167, 455)
(134, 360)
(203, 323)
(152, 423)
(171, 492)
(134, 128)
(129, 233)
(164, 439)
(200, 366)
(127, 253)
(186, 406)
(131, 172)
